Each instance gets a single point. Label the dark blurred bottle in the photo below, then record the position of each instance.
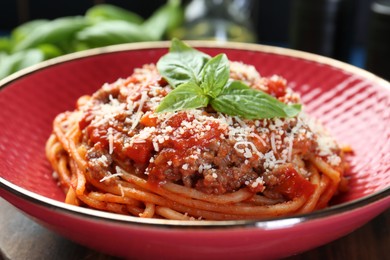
(324, 27)
(223, 20)
(378, 41)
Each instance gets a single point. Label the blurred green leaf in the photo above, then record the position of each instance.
(58, 30)
(50, 51)
(103, 12)
(102, 25)
(80, 46)
(5, 44)
(8, 63)
(20, 60)
(111, 32)
(3, 55)
(164, 19)
(31, 57)
(23, 30)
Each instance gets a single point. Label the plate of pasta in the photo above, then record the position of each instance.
(170, 148)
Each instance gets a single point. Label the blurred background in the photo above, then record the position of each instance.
(353, 31)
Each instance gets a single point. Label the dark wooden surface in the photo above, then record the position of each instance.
(21, 238)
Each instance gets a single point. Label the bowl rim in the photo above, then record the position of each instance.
(271, 223)
(264, 224)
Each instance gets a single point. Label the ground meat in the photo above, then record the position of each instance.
(218, 168)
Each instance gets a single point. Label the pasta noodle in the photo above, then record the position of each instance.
(114, 153)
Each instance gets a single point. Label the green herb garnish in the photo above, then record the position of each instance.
(200, 80)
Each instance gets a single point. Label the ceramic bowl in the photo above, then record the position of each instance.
(353, 104)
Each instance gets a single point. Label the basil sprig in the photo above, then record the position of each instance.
(200, 80)
(182, 64)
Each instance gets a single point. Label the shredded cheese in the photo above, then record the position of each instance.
(110, 141)
(138, 115)
(265, 143)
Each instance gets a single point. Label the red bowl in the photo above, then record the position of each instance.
(352, 103)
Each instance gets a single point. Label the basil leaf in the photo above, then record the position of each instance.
(103, 12)
(7, 64)
(31, 57)
(111, 32)
(19, 60)
(5, 44)
(182, 64)
(164, 19)
(238, 99)
(50, 51)
(215, 75)
(200, 81)
(59, 30)
(23, 30)
(186, 96)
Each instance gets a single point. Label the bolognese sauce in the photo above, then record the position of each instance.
(199, 149)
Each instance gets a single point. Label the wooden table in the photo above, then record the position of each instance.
(21, 238)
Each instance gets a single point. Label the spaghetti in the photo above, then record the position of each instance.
(114, 153)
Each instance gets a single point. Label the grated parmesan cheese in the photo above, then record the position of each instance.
(110, 140)
(258, 146)
(139, 113)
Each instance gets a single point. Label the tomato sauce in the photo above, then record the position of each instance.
(291, 184)
(198, 148)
